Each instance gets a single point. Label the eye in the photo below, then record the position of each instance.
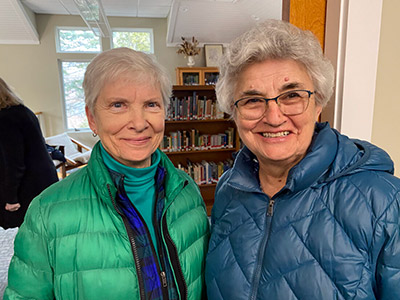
(153, 106)
(251, 102)
(116, 105)
(290, 96)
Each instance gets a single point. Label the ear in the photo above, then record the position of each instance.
(318, 110)
(91, 119)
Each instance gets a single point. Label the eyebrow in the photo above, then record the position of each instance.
(290, 86)
(251, 93)
(286, 87)
(112, 99)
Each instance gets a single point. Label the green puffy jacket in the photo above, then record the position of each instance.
(73, 243)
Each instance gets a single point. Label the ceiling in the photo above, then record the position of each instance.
(210, 21)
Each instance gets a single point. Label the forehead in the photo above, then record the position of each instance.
(127, 89)
(272, 75)
(140, 82)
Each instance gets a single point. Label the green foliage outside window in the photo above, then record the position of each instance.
(73, 73)
(81, 40)
(78, 41)
(136, 40)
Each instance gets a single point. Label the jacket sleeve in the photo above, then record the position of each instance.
(13, 162)
(388, 262)
(30, 275)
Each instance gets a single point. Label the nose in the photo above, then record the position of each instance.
(273, 114)
(137, 120)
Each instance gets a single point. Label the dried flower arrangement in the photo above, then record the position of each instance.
(189, 48)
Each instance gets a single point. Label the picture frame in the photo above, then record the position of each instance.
(213, 52)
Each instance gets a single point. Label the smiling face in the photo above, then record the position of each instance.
(276, 138)
(129, 118)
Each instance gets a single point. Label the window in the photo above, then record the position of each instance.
(74, 98)
(140, 39)
(72, 71)
(77, 40)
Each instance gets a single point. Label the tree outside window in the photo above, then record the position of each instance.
(72, 71)
(72, 75)
(136, 39)
(77, 41)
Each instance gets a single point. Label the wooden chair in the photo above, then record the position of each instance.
(76, 153)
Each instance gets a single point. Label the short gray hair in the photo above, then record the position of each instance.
(124, 63)
(274, 39)
(7, 96)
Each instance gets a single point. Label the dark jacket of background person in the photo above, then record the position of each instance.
(83, 250)
(333, 232)
(26, 168)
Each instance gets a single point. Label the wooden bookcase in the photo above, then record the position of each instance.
(209, 126)
(196, 76)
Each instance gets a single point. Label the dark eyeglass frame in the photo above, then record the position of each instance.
(276, 100)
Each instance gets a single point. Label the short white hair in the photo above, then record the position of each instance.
(124, 63)
(270, 40)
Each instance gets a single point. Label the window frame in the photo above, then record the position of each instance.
(124, 29)
(64, 108)
(57, 38)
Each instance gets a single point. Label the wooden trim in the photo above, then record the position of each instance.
(286, 10)
(309, 15)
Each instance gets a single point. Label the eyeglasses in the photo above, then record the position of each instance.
(290, 103)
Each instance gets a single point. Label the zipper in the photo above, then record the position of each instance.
(160, 272)
(133, 245)
(163, 276)
(264, 242)
(172, 250)
(163, 279)
(173, 255)
(271, 208)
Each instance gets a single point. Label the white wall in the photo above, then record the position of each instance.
(360, 68)
(362, 42)
(386, 120)
(356, 59)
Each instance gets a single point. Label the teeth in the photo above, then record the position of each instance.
(278, 134)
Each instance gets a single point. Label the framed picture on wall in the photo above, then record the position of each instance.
(212, 52)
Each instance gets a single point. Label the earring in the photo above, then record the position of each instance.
(94, 134)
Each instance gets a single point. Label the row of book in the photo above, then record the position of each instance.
(206, 172)
(193, 108)
(189, 140)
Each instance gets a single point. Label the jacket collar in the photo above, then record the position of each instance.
(99, 175)
(331, 155)
(104, 185)
(320, 155)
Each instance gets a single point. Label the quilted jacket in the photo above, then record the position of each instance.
(73, 243)
(332, 232)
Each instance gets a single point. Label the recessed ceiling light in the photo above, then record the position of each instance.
(183, 8)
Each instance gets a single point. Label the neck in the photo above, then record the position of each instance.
(273, 176)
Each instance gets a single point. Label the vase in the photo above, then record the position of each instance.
(191, 61)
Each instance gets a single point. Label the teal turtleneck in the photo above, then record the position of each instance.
(139, 184)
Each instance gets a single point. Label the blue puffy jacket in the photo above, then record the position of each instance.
(333, 232)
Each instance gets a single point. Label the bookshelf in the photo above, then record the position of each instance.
(196, 76)
(201, 143)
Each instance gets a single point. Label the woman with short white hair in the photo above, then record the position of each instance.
(305, 212)
(129, 225)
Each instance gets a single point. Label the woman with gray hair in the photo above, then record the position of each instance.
(305, 212)
(129, 225)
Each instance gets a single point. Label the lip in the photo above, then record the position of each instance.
(137, 140)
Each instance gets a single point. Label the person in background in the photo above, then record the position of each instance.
(129, 225)
(26, 168)
(306, 212)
